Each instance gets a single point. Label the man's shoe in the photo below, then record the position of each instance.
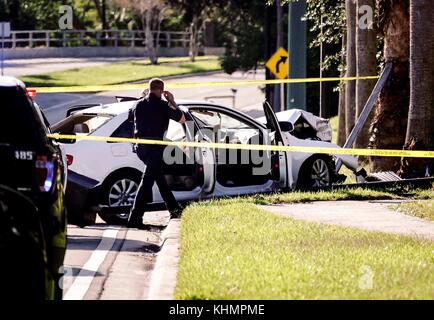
(176, 213)
(137, 225)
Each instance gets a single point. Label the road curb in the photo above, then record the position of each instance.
(163, 277)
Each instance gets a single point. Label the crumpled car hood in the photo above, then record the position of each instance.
(321, 125)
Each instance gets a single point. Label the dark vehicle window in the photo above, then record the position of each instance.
(304, 130)
(125, 130)
(19, 122)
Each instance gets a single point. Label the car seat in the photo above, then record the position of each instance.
(81, 128)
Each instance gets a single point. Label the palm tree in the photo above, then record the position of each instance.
(342, 135)
(420, 125)
(350, 87)
(366, 52)
(390, 120)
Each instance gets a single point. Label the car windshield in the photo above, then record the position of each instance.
(81, 123)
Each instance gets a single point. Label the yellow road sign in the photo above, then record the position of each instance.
(278, 63)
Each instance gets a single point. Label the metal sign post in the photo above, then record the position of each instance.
(5, 32)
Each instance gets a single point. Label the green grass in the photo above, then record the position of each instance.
(342, 194)
(122, 72)
(420, 209)
(231, 249)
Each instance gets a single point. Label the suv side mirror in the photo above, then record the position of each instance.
(286, 126)
(66, 141)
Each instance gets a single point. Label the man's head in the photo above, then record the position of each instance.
(156, 86)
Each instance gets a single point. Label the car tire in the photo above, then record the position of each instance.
(119, 190)
(316, 172)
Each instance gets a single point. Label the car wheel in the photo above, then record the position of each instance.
(316, 173)
(119, 190)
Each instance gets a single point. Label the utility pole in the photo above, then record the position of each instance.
(269, 49)
(297, 49)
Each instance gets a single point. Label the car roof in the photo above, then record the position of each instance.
(9, 82)
(118, 108)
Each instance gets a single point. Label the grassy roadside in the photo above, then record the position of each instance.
(420, 209)
(343, 194)
(230, 249)
(122, 72)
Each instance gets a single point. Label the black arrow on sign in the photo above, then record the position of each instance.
(281, 60)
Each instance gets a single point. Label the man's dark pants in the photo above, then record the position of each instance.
(152, 157)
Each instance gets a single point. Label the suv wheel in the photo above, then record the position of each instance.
(119, 190)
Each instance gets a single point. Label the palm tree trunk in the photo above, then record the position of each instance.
(341, 112)
(390, 120)
(366, 51)
(350, 87)
(420, 125)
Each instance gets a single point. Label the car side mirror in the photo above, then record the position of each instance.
(286, 126)
(66, 141)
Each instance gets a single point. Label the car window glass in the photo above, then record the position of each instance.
(125, 130)
(82, 123)
(19, 122)
(226, 128)
(303, 130)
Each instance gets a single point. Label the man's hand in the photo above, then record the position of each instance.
(145, 93)
(169, 96)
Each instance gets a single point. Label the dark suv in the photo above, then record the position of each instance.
(32, 189)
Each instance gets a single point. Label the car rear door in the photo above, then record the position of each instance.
(279, 140)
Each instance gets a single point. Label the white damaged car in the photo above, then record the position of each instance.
(200, 173)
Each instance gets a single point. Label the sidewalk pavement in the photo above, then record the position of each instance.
(368, 215)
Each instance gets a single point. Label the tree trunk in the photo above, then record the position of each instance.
(366, 51)
(193, 39)
(420, 125)
(390, 119)
(150, 45)
(350, 87)
(342, 137)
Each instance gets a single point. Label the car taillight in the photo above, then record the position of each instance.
(31, 93)
(45, 172)
(69, 159)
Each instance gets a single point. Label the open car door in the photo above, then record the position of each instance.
(205, 158)
(281, 158)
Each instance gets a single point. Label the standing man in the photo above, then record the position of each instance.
(151, 121)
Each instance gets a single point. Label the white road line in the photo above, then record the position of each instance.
(82, 282)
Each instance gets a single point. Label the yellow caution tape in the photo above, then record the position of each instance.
(316, 150)
(178, 85)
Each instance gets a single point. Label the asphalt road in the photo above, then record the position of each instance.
(110, 262)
